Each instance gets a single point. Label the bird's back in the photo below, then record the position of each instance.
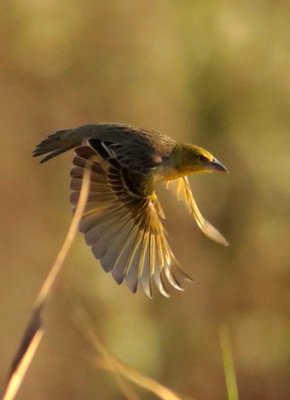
(136, 148)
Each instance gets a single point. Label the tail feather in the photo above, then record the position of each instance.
(57, 143)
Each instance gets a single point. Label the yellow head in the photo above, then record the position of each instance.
(188, 159)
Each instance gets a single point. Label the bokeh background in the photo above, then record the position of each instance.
(214, 73)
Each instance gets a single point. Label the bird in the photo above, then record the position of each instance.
(123, 218)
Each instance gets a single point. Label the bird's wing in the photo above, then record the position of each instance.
(122, 224)
(183, 192)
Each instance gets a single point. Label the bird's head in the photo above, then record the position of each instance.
(190, 159)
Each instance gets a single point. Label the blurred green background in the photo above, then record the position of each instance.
(214, 73)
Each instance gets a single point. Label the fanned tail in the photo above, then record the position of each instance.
(58, 143)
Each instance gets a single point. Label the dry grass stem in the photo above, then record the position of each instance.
(87, 328)
(50, 280)
(17, 378)
(141, 380)
(34, 331)
(108, 362)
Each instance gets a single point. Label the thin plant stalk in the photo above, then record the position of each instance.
(35, 330)
(108, 362)
(228, 363)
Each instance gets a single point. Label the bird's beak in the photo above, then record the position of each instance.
(216, 165)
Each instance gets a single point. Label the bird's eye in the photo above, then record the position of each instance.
(202, 158)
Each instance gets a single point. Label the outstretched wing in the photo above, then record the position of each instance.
(122, 224)
(183, 192)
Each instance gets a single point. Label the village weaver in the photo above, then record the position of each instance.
(123, 218)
